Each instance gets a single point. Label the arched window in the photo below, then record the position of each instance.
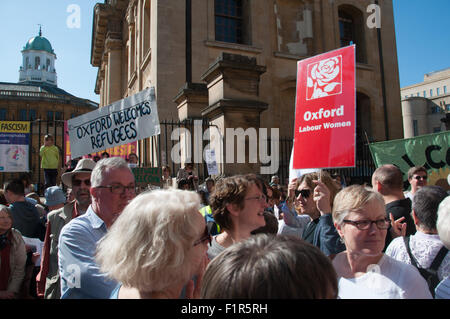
(27, 63)
(37, 62)
(47, 67)
(351, 30)
(146, 28)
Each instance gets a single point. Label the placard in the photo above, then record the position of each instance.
(14, 146)
(325, 114)
(131, 119)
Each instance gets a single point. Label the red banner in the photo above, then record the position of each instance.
(325, 117)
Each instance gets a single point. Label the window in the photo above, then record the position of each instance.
(435, 109)
(415, 128)
(50, 115)
(437, 91)
(424, 93)
(27, 63)
(351, 30)
(47, 67)
(27, 115)
(2, 114)
(229, 24)
(37, 62)
(445, 89)
(146, 28)
(418, 94)
(431, 92)
(447, 107)
(58, 116)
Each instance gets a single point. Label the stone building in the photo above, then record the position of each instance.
(426, 105)
(234, 63)
(38, 99)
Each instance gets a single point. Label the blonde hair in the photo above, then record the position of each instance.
(352, 198)
(148, 245)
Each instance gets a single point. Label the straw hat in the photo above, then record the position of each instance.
(84, 165)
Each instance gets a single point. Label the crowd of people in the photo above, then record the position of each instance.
(232, 237)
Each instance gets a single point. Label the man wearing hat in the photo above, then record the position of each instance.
(48, 281)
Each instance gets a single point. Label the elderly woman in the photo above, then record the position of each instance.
(267, 267)
(364, 271)
(156, 246)
(12, 256)
(238, 205)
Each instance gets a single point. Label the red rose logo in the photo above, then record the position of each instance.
(324, 78)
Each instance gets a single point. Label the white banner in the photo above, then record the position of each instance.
(125, 121)
(211, 164)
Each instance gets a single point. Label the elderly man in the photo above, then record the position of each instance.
(417, 178)
(112, 188)
(388, 181)
(48, 281)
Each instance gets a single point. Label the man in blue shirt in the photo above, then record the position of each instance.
(112, 188)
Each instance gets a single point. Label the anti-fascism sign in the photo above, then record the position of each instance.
(325, 122)
(125, 121)
(431, 151)
(14, 146)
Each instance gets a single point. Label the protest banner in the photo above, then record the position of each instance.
(119, 151)
(131, 119)
(431, 151)
(14, 146)
(325, 117)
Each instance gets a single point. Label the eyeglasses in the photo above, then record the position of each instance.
(304, 192)
(118, 189)
(261, 198)
(365, 224)
(78, 182)
(206, 237)
(418, 177)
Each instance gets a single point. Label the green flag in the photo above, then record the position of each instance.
(431, 151)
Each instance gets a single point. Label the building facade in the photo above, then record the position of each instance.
(426, 105)
(37, 98)
(234, 63)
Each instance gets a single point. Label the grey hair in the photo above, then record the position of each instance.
(351, 198)
(443, 221)
(425, 205)
(98, 173)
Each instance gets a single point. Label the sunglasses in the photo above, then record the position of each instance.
(77, 182)
(304, 192)
(421, 177)
(206, 237)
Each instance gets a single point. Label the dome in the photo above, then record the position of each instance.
(39, 43)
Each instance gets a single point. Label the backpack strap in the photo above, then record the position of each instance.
(408, 249)
(439, 258)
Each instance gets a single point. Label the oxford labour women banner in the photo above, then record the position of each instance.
(325, 121)
(125, 121)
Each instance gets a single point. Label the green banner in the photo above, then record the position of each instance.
(147, 175)
(431, 151)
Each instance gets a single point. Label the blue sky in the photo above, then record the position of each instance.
(422, 29)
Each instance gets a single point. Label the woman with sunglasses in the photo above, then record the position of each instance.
(312, 196)
(364, 271)
(156, 246)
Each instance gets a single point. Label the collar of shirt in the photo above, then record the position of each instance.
(93, 218)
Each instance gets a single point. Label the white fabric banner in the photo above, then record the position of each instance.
(125, 121)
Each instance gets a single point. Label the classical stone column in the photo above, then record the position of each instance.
(113, 45)
(234, 110)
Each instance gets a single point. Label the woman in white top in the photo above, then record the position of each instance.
(363, 270)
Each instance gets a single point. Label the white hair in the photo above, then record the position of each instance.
(98, 173)
(443, 221)
(148, 245)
